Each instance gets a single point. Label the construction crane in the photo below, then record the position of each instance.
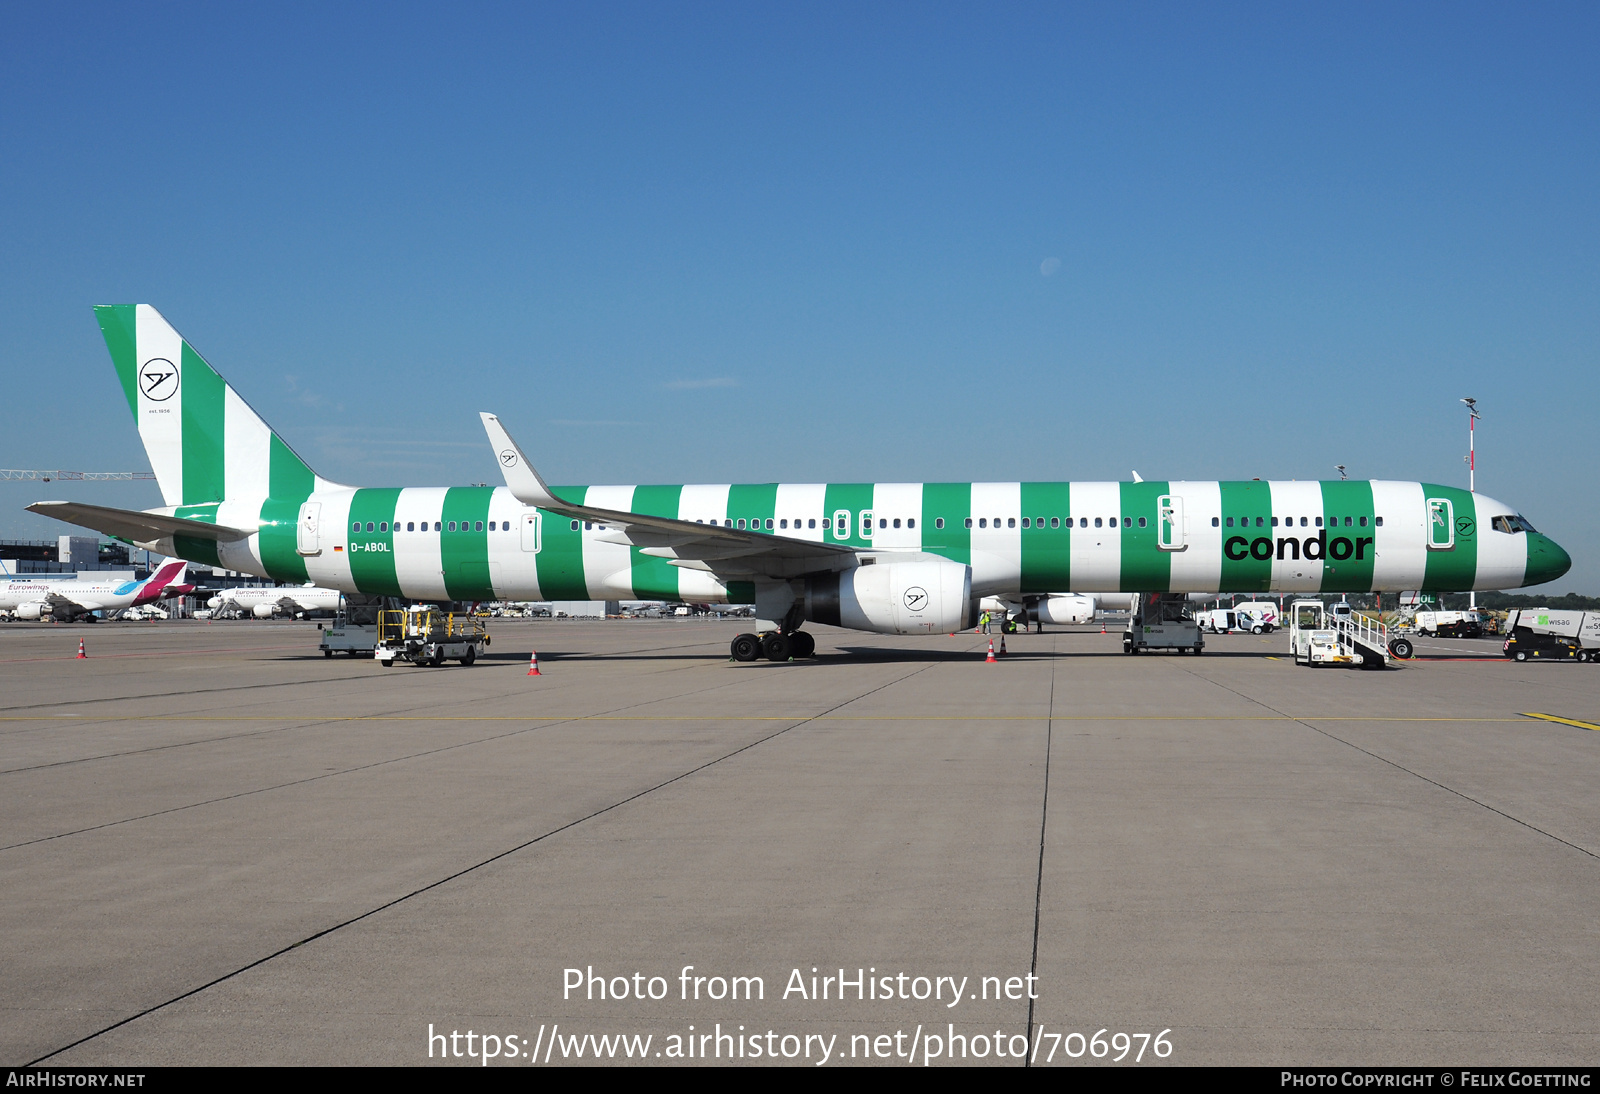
(12, 474)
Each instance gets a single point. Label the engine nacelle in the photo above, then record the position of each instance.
(923, 597)
(31, 611)
(214, 603)
(262, 611)
(1065, 608)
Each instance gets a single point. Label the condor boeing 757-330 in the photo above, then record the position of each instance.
(893, 558)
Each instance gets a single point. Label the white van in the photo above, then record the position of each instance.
(1257, 617)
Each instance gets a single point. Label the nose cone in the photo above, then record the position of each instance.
(1546, 560)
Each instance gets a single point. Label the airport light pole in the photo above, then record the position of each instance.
(1472, 468)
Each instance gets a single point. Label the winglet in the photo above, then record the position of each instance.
(522, 479)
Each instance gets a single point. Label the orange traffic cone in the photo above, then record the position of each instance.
(1002, 645)
(533, 663)
(82, 655)
(990, 659)
(1102, 628)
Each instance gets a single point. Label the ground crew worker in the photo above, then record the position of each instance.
(983, 621)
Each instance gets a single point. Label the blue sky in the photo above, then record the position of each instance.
(755, 242)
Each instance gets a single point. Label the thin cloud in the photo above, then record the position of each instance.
(692, 385)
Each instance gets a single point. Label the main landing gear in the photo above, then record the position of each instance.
(773, 645)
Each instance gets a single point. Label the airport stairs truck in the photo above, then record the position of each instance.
(1317, 637)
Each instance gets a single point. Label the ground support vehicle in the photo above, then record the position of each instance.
(1545, 635)
(354, 630)
(424, 635)
(1318, 637)
(1257, 616)
(1448, 625)
(1162, 621)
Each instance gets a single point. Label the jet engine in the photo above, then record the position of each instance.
(922, 597)
(1065, 608)
(262, 611)
(31, 611)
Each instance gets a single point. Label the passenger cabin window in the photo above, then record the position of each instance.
(1363, 522)
(938, 522)
(983, 522)
(1127, 522)
(1215, 522)
(1011, 522)
(355, 526)
(911, 522)
(812, 523)
(574, 526)
(1096, 521)
(1141, 522)
(383, 526)
(897, 522)
(769, 524)
(1083, 522)
(1319, 522)
(369, 526)
(969, 522)
(1379, 522)
(1055, 522)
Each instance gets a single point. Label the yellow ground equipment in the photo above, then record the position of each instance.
(424, 635)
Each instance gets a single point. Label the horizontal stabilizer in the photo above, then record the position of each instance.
(133, 524)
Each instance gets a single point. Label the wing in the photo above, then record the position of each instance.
(723, 551)
(59, 603)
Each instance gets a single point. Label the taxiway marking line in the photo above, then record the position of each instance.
(569, 718)
(148, 653)
(1563, 721)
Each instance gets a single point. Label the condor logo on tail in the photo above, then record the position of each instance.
(1312, 548)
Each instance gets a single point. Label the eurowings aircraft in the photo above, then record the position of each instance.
(892, 558)
(32, 598)
(265, 603)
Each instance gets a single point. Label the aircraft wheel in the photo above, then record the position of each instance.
(1401, 648)
(775, 647)
(745, 647)
(802, 645)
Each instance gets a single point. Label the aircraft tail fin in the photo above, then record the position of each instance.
(205, 443)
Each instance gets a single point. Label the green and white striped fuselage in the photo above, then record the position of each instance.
(480, 543)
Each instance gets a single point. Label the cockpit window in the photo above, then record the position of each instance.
(1511, 524)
